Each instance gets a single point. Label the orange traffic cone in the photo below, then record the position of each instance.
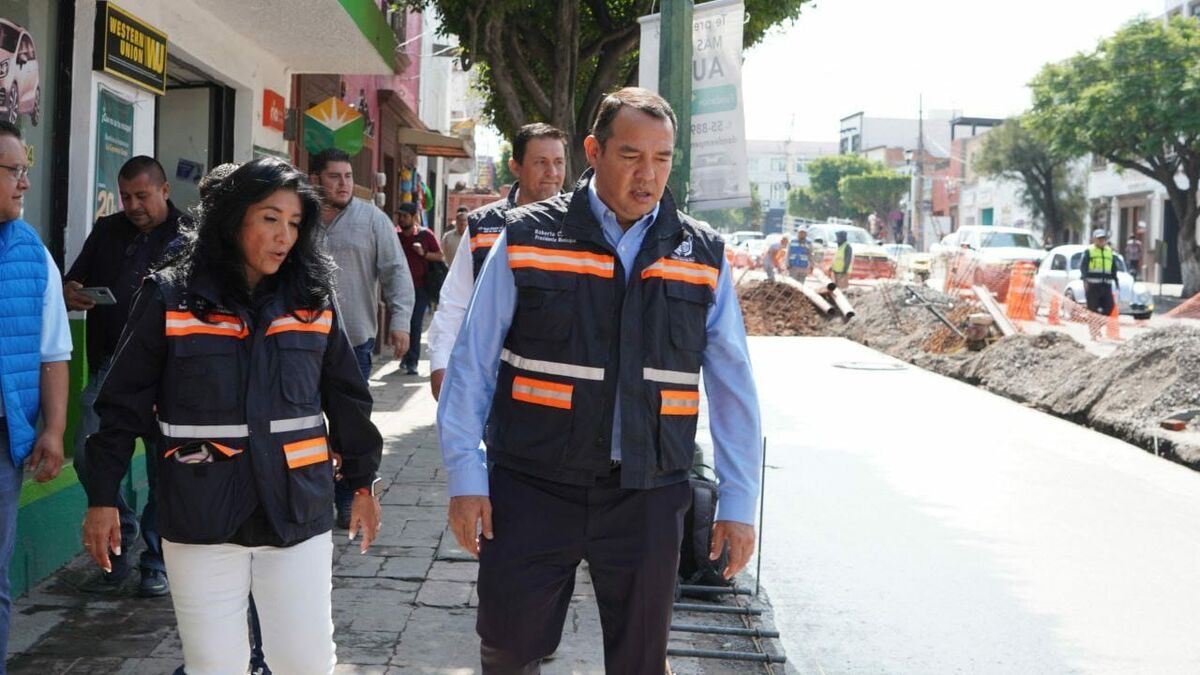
(1113, 332)
(1053, 318)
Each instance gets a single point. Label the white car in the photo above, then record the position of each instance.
(1059, 274)
(20, 88)
(984, 254)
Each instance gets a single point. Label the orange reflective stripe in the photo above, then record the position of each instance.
(680, 402)
(303, 453)
(304, 321)
(223, 449)
(541, 392)
(679, 270)
(484, 239)
(179, 324)
(556, 260)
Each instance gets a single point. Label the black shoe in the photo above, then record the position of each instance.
(154, 584)
(107, 583)
(410, 371)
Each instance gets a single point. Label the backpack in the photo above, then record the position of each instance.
(694, 566)
(435, 276)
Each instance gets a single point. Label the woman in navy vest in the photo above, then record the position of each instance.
(235, 353)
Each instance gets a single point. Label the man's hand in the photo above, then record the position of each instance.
(470, 515)
(102, 532)
(365, 516)
(435, 382)
(47, 456)
(399, 344)
(75, 300)
(741, 545)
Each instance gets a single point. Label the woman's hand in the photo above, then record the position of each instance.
(365, 516)
(102, 532)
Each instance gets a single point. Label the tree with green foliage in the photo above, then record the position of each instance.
(877, 192)
(822, 198)
(554, 61)
(1015, 151)
(503, 175)
(1135, 101)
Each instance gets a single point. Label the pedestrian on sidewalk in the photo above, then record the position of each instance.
(539, 161)
(362, 242)
(1099, 279)
(236, 351)
(1133, 251)
(589, 391)
(775, 257)
(800, 256)
(33, 363)
(453, 237)
(120, 251)
(421, 248)
(843, 260)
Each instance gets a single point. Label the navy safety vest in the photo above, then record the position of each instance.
(580, 333)
(247, 386)
(485, 224)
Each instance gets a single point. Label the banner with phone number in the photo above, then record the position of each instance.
(114, 145)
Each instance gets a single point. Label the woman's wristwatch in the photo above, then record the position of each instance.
(371, 490)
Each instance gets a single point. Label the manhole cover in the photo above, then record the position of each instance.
(870, 365)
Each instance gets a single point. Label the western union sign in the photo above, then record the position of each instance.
(130, 49)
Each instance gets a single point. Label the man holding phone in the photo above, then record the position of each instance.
(120, 251)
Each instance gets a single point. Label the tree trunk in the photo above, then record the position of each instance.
(1189, 252)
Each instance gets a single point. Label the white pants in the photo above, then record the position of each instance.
(211, 586)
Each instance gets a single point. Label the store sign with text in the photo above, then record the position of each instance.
(274, 110)
(130, 49)
(114, 146)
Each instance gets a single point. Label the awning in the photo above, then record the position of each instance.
(433, 144)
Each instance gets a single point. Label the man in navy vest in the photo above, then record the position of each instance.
(35, 346)
(581, 355)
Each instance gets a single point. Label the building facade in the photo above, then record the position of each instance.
(775, 167)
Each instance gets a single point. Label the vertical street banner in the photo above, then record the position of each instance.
(719, 177)
(114, 145)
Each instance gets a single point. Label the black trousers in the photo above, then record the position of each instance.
(543, 529)
(1099, 298)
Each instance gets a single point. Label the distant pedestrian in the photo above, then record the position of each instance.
(1133, 251)
(421, 248)
(362, 242)
(800, 256)
(453, 237)
(1099, 278)
(843, 260)
(775, 257)
(33, 363)
(236, 351)
(120, 251)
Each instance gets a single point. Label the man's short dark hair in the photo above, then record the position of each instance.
(461, 209)
(324, 158)
(637, 98)
(10, 129)
(142, 165)
(532, 131)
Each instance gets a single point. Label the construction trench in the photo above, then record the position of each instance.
(1144, 392)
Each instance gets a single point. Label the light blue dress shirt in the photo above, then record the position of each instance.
(466, 395)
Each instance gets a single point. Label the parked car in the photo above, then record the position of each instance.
(983, 255)
(742, 236)
(20, 87)
(871, 261)
(910, 263)
(1059, 274)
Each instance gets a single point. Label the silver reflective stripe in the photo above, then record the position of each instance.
(544, 393)
(197, 323)
(293, 321)
(296, 424)
(552, 368)
(710, 274)
(314, 451)
(204, 430)
(681, 403)
(670, 376)
(516, 256)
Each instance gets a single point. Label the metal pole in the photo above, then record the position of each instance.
(724, 630)
(675, 85)
(712, 590)
(727, 656)
(762, 504)
(716, 609)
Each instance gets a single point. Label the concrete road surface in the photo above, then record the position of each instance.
(915, 524)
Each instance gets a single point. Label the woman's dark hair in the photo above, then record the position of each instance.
(213, 246)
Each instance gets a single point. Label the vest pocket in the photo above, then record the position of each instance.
(545, 303)
(208, 373)
(203, 487)
(679, 411)
(300, 357)
(310, 479)
(687, 314)
(538, 425)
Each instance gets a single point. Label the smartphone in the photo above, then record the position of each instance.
(99, 294)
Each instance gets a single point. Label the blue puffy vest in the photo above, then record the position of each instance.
(22, 289)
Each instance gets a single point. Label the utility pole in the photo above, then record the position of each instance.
(918, 220)
(675, 85)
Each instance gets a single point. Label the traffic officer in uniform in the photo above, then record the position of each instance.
(843, 260)
(594, 318)
(236, 353)
(1099, 278)
(539, 161)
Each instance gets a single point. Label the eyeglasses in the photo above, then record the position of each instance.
(18, 172)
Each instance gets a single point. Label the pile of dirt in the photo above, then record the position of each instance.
(770, 308)
(889, 318)
(1031, 369)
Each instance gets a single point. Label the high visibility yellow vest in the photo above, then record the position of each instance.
(840, 265)
(1100, 263)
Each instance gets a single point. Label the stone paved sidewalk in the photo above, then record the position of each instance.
(405, 607)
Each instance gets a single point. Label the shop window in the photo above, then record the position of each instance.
(985, 216)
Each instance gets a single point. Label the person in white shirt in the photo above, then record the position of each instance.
(539, 161)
